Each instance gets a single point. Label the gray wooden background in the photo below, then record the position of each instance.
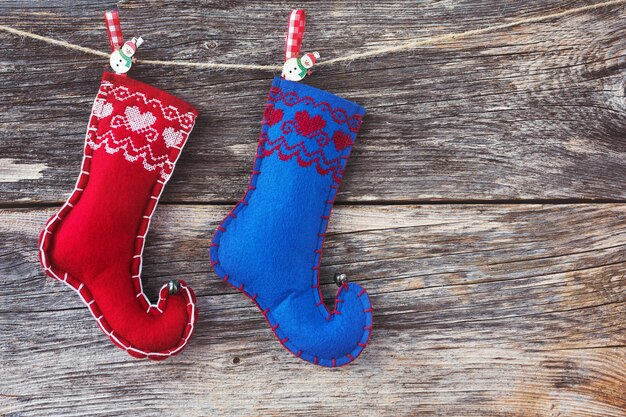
(484, 208)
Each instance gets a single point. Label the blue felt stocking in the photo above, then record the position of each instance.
(270, 244)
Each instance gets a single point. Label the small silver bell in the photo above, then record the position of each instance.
(340, 279)
(173, 286)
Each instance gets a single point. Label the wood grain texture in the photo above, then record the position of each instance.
(484, 305)
(479, 311)
(531, 113)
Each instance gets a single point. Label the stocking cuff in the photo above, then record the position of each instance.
(311, 126)
(148, 126)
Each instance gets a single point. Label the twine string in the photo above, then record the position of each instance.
(406, 46)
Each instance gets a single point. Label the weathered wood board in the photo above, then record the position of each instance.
(484, 304)
(498, 310)
(537, 112)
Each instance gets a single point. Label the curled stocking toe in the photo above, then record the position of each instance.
(327, 338)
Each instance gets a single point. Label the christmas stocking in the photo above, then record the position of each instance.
(95, 242)
(270, 244)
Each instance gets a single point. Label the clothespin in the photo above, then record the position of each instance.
(297, 67)
(122, 53)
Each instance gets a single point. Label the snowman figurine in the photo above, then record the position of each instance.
(122, 59)
(296, 69)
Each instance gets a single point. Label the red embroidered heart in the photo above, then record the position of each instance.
(272, 115)
(341, 140)
(309, 125)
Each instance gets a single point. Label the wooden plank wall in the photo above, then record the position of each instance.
(483, 208)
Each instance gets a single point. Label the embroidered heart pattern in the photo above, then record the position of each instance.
(102, 109)
(172, 137)
(273, 115)
(309, 125)
(138, 121)
(341, 140)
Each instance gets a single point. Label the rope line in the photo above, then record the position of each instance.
(406, 46)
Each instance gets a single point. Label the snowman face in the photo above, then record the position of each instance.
(291, 70)
(306, 61)
(118, 63)
(128, 50)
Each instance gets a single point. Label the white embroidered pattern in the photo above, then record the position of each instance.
(131, 131)
(102, 109)
(172, 136)
(138, 122)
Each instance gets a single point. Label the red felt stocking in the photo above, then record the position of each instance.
(95, 242)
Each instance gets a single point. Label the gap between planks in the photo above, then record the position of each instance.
(476, 202)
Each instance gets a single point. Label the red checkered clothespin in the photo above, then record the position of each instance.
(297, 67)
(295, 34)
(122, 55)
(114, 30)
